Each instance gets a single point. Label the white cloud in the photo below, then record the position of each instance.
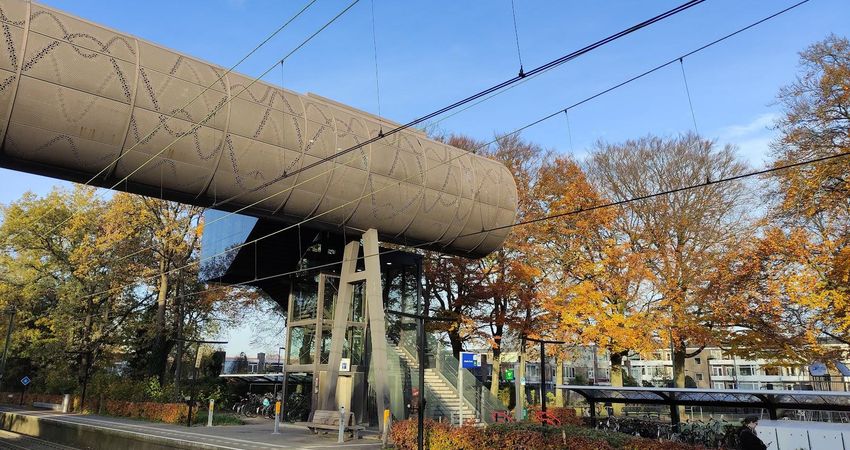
(752, 138)
(762, 123)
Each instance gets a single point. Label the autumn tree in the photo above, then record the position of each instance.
(70, 267)
(172, 232)
(86, 277)
(801, 265)
(763, 297)
(497, 294)
(683, 236)
(600, 295)
(815, 199)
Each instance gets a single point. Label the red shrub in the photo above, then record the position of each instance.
(567, 416)
(654, 444)
(520, 436)
(163, 412)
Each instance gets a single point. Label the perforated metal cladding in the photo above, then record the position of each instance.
(87, 95)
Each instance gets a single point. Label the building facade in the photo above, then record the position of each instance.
(715, 368)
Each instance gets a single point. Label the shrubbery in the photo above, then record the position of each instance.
(567, 416)
(164, 412)
(522, 436)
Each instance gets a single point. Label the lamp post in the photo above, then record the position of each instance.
(543, 343)
(195, 372)
(278, 408)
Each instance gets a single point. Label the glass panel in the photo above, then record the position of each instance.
(331, 293)
(326, 344)
(302, 347)
(358, 301)
(354, 345)
(305, 294)
(223, 232)
(400, 288)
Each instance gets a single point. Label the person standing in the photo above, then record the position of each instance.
(747, 438)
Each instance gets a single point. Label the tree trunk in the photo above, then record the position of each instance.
(456, 342)
(159, 354)
(521, 375)
(679, 366)
(161, 299)
(559, 379)
(679, 356)
(497, 366)
(178, 359)
(617, 378)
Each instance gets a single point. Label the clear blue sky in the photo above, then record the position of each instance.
(432, 53)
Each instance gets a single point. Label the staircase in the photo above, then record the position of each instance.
(441, 395)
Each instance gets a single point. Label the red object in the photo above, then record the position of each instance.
(547, 419)
(502, 416)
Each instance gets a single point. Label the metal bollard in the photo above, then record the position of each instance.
(341, 437)
(276, 418)
(210, 413)
(385, 436)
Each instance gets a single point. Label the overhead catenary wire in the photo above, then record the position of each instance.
(174, 113)
(536, 71)
(243, 208)
(375, 53)
(688, 92)
(569, 130)
(697, 50)
(621, 202)
(516, 36)
(562, 214)
(196, 126)
(495, 88)
(518, 130)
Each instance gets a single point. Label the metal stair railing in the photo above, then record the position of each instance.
(476, 396)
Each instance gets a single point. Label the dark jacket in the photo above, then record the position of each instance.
(748, 440)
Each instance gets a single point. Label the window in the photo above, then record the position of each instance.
(771, 371)
(304, 297)
(325, 353)
(302, 345)
(717, 371)
(358, 303)
(699, 377)
(698, 360)
(747, 371)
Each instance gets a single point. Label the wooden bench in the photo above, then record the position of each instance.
(329, 420)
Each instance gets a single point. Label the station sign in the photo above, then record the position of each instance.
(469, 360)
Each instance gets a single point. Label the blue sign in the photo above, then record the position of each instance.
(469, 360)
(25, 380)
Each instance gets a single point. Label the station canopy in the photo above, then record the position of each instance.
(771, 400)
(254, 378)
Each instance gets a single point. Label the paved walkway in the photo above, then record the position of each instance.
(255, 435)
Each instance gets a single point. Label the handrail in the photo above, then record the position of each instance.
(476, 396)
